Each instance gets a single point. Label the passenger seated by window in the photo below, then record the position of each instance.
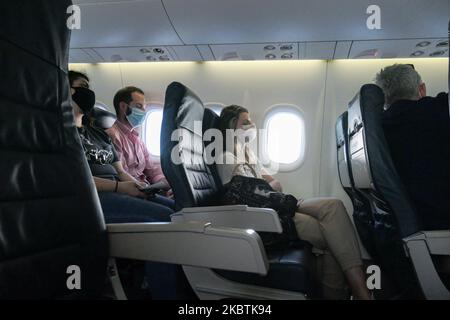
(129, 103)
(323, 222)
(417, 130)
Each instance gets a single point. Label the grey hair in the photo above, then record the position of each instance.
(399, 81)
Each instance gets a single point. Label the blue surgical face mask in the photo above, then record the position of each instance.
(136, 117)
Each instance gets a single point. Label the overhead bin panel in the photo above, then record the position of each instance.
(266, 51)
(136, 54)
(413, 48)
(255, 21)
(320, 50)
(84, 56)
(186, 53)
(122, 24)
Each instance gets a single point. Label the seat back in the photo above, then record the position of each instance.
(342, 152)
(376, 178)
(362, 215)
(50, 216)
(211, 121)
(182, 149)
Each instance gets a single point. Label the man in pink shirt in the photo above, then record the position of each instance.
(129, 103)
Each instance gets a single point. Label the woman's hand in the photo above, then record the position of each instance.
(276, 185)
(131, 188)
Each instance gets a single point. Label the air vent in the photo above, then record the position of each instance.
(158, 51)
(286, 47)
(150, 58)
(437, 53)
(417, 53)
(423, 44)
(442, 44)
(164, 58)
(270, 56)
(286, 56)
(269, 47)
(144, 51)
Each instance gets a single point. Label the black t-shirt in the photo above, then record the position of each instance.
(418, 135)
(99, 151)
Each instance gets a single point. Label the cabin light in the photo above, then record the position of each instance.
(270, 56)
(423, 44)
(286, 47)
(164, 58)
(441, 44)
(269, 47)
(158, 51)
(437, 53)
(417, 53)
(286, 56)
(144, 50)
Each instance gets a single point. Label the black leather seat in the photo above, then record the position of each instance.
(362, 213)
(375, 177)
(196, 184)
(50, 216)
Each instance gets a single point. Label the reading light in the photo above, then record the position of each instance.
(417, 53)
(269, 47)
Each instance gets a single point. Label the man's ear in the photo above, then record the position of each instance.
(123, 107)
(422, 90)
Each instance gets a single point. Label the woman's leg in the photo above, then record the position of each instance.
(340, 237)
(120, 208)
(327, 270)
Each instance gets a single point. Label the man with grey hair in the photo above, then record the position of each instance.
(417, 130)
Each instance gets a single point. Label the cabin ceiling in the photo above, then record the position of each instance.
(208, 30)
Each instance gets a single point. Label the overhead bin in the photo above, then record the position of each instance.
(255, 21)
(124, 23)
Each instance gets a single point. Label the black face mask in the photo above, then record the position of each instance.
(84, 98)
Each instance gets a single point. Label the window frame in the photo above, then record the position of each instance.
(151, 107)
(270, 112)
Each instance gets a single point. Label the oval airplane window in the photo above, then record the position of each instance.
(284, 137)
(151, 130)
(215, 106)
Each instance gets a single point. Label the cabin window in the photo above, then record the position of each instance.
(283, 140)
(151, 130)
(215, 106)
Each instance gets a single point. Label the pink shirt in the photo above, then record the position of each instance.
(134, 154)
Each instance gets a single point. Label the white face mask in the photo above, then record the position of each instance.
(247, 134)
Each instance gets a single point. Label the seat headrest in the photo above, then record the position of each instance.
(383, 172)
(103, 119)
(210, 120)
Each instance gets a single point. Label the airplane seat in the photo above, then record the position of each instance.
(362, 216)
(196, 189)
(404, 251)
(54, 243)
(50, 216)
(102, 118)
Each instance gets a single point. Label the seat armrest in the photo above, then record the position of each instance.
(419, 247)
(237, 216)
(191, 244)
(438, 241)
